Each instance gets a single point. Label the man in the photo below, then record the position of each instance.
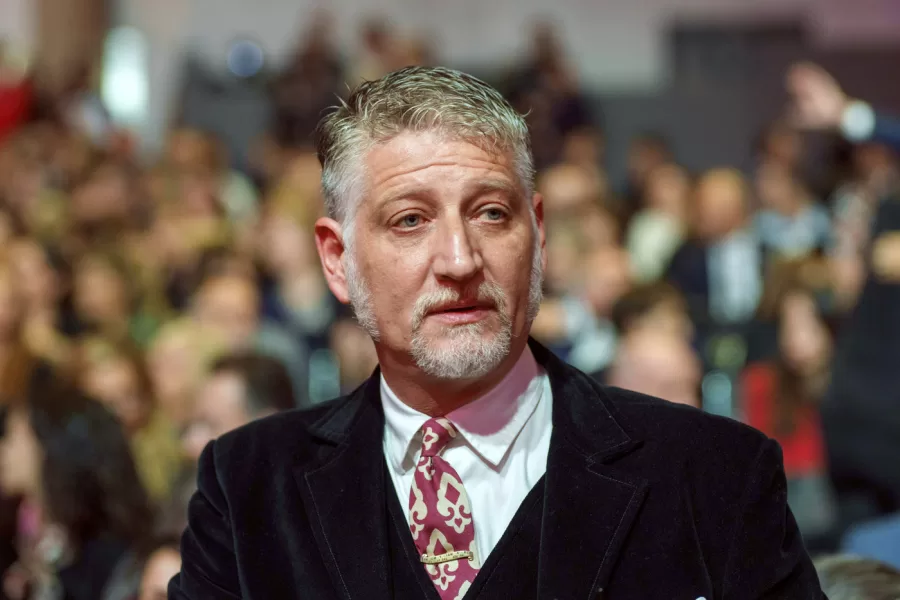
(720, 269)
(239, 389)
(473, 464)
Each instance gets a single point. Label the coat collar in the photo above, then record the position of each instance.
(589, 504)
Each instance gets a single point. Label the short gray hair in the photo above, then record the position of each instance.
(415, 99)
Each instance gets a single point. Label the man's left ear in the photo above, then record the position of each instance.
(537, 202)
(330, 244)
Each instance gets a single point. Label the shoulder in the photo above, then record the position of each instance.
(684, 433)
(287, 437)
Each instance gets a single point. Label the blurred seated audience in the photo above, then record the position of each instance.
(659, 227)
(790, 222)
(114, 373)
(230, 306)
(659, 364)
(239, 388)
(162, 565)
(847, 577)
(177, 360)
(719, 268)
(84, 510)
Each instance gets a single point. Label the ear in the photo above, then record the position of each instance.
(537, 202)
(330, 244)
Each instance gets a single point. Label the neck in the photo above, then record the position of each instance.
(438, 397)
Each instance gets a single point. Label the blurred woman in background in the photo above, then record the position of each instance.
(84, 510)
(115, 374)
(781, 396)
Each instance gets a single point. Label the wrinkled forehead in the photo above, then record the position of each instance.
(408, 157)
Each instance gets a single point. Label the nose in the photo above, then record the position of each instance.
(457, 258)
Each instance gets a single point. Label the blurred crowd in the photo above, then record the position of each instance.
(147, 307)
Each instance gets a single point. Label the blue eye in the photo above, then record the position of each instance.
(494, 214)
(410, 220)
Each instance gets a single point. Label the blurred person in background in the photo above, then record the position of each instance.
(657, 363)
(606, 275)
(17, 362)
(162, 565)
(859, 412)
(377, 51)
(177, 361)
(847, 577)
(656, 306)
(308, 83)
(16, 91)
(781, 396)
(354, 352)
(790, 223)
(201, 158)
(115, 374)
(783, 146)
(658, 229)
(719, 267)
(44, 282)
(238, 389)
(569, 189)
(297, 298)
(106, 300)
(577, 323)
(84, 509)
(819, 102)
(646, 153)
(230, 306)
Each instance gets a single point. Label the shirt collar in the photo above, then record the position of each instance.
(489, 424)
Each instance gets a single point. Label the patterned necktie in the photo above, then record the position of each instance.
(440, 516)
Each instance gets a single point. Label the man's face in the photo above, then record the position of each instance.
(446, 258)
(220, 407)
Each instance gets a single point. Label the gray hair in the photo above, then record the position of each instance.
(414, 99)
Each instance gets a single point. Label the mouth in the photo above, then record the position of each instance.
(460, 313)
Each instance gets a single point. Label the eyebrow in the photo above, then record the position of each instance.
(487, 186)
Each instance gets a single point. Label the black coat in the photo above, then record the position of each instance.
(642, 499)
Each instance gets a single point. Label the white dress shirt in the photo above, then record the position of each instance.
(500, 454)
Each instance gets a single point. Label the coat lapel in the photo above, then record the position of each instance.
(344, 495)
(589, 506)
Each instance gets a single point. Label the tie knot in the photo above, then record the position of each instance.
(436, 434)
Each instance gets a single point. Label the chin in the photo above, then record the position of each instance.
(461, 352)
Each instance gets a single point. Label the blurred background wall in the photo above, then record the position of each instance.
(644, 62)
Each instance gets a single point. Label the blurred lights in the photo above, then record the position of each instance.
(124, 85)
(245, 59)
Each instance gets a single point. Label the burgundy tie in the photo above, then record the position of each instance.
(440, 516)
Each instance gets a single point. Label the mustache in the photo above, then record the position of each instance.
(487, 292)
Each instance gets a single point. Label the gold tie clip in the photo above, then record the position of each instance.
(447, 557)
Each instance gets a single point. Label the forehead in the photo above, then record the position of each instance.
(434, 159)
